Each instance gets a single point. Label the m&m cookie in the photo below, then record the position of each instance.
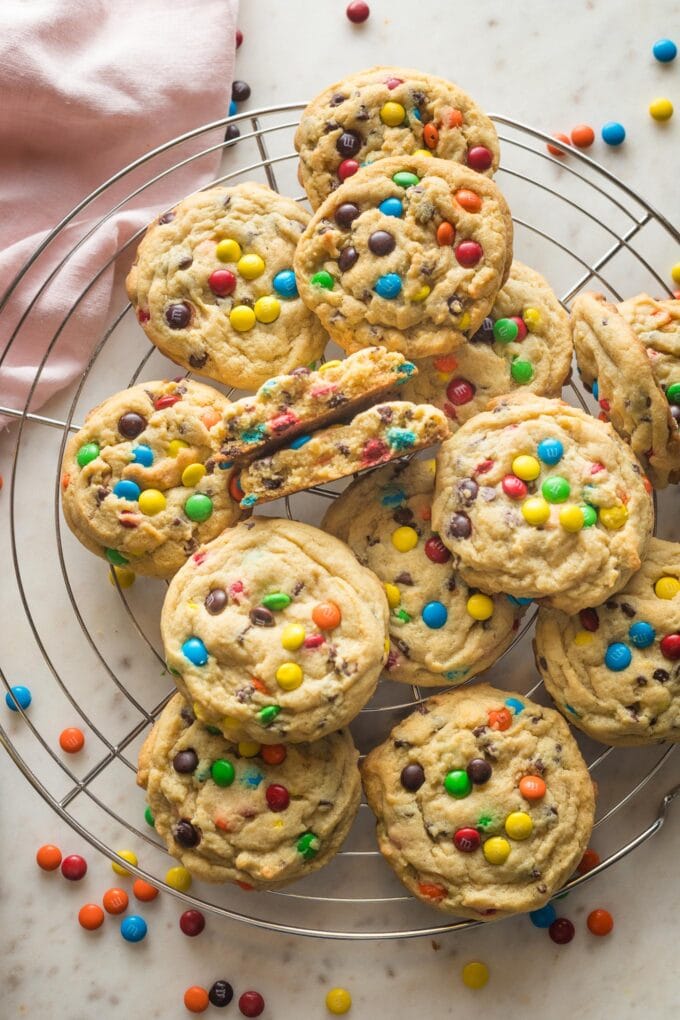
(387, 111)
(257, 815)
(523, 344)
(539, 500)
(484, 804)
(375, 436)
(274, 632)
(614, 669)
(138, 482)
(289, 405)
(409, 254)
(214, 289)
(441, 630)
(629, 356)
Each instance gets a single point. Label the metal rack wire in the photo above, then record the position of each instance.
(600, 231)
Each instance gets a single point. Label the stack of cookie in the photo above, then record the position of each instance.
(275, 632)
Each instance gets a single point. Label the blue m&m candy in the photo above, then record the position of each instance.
(550, 451)
(133, 928)
(285, 283)
(391, 207)
(434, 615)
(299, 442)
(617, 657)
(125, 489)
(595, 389)
(543, 917)
(18, 695)
(232, 108)
(143, 455)
(665, 50)
(195, 651)
(613, 133)
(388, 286)
(642, 634)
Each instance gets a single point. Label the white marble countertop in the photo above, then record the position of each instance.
(591, 63)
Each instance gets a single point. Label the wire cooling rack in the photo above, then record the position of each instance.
(92, 650)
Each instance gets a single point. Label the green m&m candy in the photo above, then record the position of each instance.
(323, 279)
(556, 489)
(268, 714)
(88, 452)
(113, 556)
(222, 772)
(673, 394)
(198, 507)
(589, 515)
(276, 601)
(308, 845)
(457, 783)
(505, 331)
(405, 179)
(521, 371)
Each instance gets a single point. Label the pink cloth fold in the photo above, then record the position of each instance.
(87, 87)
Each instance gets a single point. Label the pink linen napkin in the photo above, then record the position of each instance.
(87, 87)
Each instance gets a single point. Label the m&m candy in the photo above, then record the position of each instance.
(48, 857)
(475, 974)
(115, 901)
(192, 923)
(127, 855)
(74, 867)
(196, 999)
(357, 11)
(338, 1001)
(251, 1004)
(618, 657)
(18, 697)
(221, 993)
(661, 109)
(91, 916)
(664, 50)
(133, 928)
(613, 133)
(561, 931)
(582, 136)
(600, 922)
(543, 917)
(144, 891)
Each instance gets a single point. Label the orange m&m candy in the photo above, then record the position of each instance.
(532, 787)
(235, 490)
(590, 860)
(600, 922)
(273, 754)
(500, 719)
(91, 916)
(583, 136)
(115, 901)
(71, 740)
(210, 418)
(48, 857)
(430, 135)
(455, 118)
(468, 200)
(432, 891)
(326, 615)
(446, 363)
(196, 999)
(553, 148)
(445, 234)
(144, 890)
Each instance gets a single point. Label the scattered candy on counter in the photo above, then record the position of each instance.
(582, 136)
(18, 696)
(561, 138)
(661, 108)
(251, 1003)
(144, 891)
(192, 923)
(91, 916)
(338, 1001)
(543, 917)
(115, 901)
(133, 928)
(675, 274)
(74, 867)
(196, 999)
(221, 993)
(71, 740)
(127, 855)
(178, 878)
(48, 857)
(613, 133)
(664, 50)
(240, 91)
(475, 974)
(358, 12)
(239, 38)
(561, 931)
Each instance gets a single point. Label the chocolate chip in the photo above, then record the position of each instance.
(661, 675)
(628, 610)
(232, 133)
(403, 744)
(347, 258)
(187, 834)
(198, 360)
(362, 113)
(261, 617)
(185, 761)
(412, 777)
(402, 515)
(216, 601)
(460, 526)
(451, 583)
(185, 262)
(187, 715)
(346, 213)
(402, 646)
(240, 91)
(130, 425)
(467, 490)
(167, 217)
(337, 99)
(404, 578)
(348, 144)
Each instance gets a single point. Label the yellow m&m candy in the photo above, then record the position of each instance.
(613, 517)
(267, 309)
(496, 850)
(392, 114)
(242, 318)
(572, 518)
(178, 878)
(175, 445)
(329, 364)
(532, 319)
(292, 636)
(661, 109)
(123, 575)
(393, 595)
(127, 855)
(192, 475)
(404, 539)
(582, 638)
(289, 676)
(421, 293)
(228, 251)
(667, 587)
(535, 511)
(475, 974)
(248, 748)
(519, 825)
(250, 266)
(151, 502)
(338, 1001)
(480, 607)
(526, 467)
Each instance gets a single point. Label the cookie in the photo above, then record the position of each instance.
(389, 111)
(138, 484)
(214, 289)
(289, 405)
(525, 344)
(258, 816)
(408, 254)
(484, 803)
(537, 499)
(373, 437)
(613, 670)
(441, 631)
(630, 356)
(275, 632)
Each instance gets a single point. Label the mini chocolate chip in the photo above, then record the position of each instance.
(187, 715)
(130, 425)
(403, 744)
(455, 304)
(167, 217)
(337, 99)
(661, 675)
(628, 610)
(404, 578)
(362, 113)
(198, 360)
(451, 583)
(261, 617)
(640, 681)
(216, 601)
(185, 761)
(232, 133)
(402, 515)
(346, 213)
(185, 262)
(187, 834)
(402, 646)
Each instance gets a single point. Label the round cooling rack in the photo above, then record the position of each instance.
(91, 652)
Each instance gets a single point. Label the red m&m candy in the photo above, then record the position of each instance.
(670, 646)
(358, 11)
(467, 840)
(460, 391)
(514, 487)
(436, 551)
